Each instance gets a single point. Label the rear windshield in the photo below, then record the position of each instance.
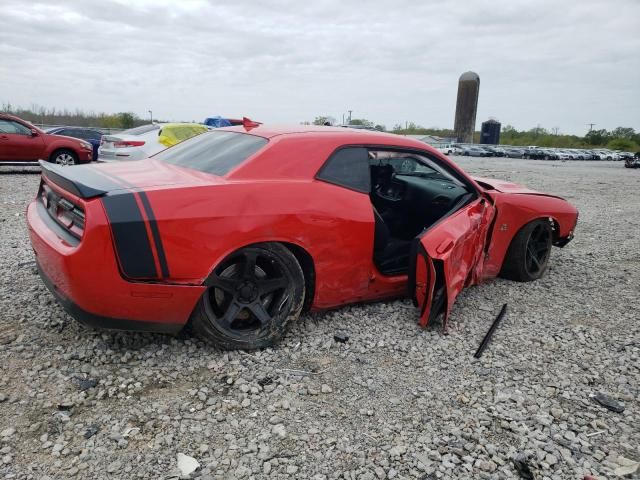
(142, 129)
(213, 152)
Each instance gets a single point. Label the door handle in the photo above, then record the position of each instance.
(444, 246)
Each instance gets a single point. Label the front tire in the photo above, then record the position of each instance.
(64, 157)
(253, 295)
(528, 254)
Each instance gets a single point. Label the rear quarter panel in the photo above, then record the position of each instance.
(200, 226)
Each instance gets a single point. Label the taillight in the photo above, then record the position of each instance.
(128, 143)
(63, 211)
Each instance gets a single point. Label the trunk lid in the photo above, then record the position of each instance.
(95, 180)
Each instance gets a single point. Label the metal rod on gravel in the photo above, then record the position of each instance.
(487, 337)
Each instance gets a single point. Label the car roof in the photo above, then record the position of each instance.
(11, 117)
(347, 135)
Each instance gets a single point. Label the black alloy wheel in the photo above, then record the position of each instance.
(528, 255)
(251, 298)
(538, 250)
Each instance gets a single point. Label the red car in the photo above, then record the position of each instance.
(21, 144)
(239, 230)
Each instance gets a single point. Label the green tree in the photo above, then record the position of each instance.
(126, 119)
(622, 144)
(362, 121)
(597, 137)
(323, 120)
(623, 132)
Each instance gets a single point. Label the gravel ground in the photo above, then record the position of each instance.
(394, 401)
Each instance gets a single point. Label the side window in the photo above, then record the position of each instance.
(93, 135)
(9, 126)
(349, 168)
(70, 132)
(410, 164)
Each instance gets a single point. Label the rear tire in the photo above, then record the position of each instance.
(64, 157)
(528, 254)
(253, 295)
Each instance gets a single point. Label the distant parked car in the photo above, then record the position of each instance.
(633, 162)
(514, 153)
(91, 135)
(535, 154)
(625, 156)
(495, 151)
(218, 122)
(445, 148)
(469, 151)
(21, 143)
(142, 142)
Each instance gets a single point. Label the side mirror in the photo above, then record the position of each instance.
(34, 132)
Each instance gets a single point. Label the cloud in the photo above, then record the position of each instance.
(540, 62)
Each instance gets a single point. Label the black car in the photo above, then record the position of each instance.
(535, 154)
(91, 135)
(494, 151)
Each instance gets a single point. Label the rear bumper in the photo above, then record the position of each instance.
(98, 321)
(86, 280)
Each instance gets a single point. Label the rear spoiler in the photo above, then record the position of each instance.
(80, 180)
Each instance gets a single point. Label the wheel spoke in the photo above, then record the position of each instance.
(229, 285)
(271, 285)
(249, 268)
(259, 312)
(533, 257)
(231, 313)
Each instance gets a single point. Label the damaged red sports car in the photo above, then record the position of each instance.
(239, 230)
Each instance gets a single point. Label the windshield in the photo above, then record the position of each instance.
(213, 152)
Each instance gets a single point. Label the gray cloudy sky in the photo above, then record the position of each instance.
(557, 63)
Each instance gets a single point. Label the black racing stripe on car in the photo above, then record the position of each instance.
(155, 232)
(130, 236)
(83, 181)
(153, 224)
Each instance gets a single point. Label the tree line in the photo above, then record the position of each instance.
(77, 118)
(620, 138)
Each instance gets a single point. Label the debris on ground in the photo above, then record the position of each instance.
(91, 431)
(186, 464)
(492, 329)
(86, 383)
(521, 462)
(341, 338)
(627, 467)
(609, 403)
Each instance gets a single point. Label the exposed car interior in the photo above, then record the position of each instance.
(409, 193)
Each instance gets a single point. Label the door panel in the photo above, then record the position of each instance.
(458, 242)
(17, 147)
(423, 286)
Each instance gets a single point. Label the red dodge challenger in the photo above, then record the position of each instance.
(239, 230)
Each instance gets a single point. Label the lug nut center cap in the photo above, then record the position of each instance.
(247, 292)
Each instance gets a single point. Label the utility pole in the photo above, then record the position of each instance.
(591, 125)
(150, 115)
(349, 116)
(343, 119)
(556, 130)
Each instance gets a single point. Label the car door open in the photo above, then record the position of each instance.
(447, 257)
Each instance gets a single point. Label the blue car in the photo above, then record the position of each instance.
(91, 135)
